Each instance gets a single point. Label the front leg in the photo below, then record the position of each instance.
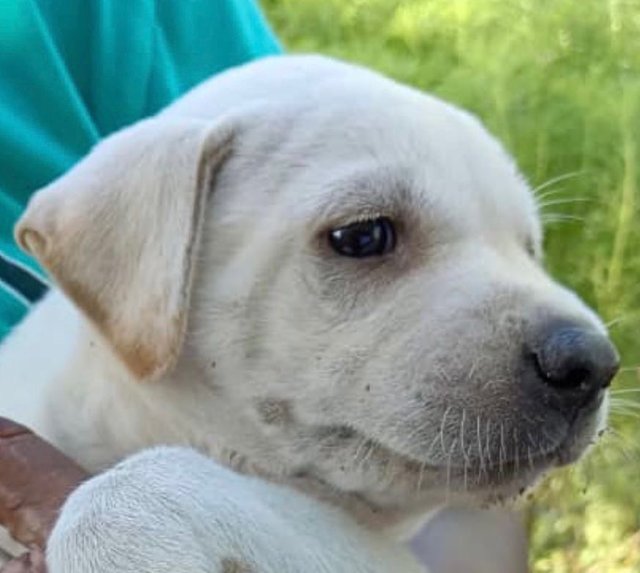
(172, 510)
(146, 514)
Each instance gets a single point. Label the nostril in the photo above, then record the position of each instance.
(573, 378)
(572, 358)
(568, 376)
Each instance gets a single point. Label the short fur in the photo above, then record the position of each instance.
(199, 304)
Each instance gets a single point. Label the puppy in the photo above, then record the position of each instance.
(327, 283)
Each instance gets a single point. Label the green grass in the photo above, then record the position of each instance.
(558, 81)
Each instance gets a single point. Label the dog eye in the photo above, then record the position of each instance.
(373, 237)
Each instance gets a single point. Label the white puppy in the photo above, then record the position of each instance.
(313, 275)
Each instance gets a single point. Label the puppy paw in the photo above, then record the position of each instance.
(138, 517)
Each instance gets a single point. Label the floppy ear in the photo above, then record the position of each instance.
(120, 231)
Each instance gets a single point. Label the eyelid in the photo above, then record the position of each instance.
(344, 220)
(359, 218)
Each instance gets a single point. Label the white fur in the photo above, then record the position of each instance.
(208, 312)
(190, 514)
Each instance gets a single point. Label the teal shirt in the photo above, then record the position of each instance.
(73, 71)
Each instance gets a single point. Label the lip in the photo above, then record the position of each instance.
(524, 470)
(577, 435)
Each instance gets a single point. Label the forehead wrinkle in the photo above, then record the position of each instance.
(370, 193)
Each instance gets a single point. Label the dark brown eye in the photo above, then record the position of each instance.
(373, 237)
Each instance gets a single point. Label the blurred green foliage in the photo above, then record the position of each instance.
(558, 81)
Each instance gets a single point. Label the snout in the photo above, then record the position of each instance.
(574, 363)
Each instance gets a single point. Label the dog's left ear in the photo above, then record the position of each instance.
(119, 234)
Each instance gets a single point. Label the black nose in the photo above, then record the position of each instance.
(576, 358)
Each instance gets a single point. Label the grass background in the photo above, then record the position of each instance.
(558, 81)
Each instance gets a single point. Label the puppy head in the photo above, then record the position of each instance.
(368, 287)
(373, 296)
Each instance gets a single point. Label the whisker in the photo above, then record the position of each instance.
(462, 448)
(433, 444)
(448, 494)
(629, 370)
(462, 421)
(621, 443)
(481, 467)
(472, 370)
(553, 192)
(370, 452)
(547, 218)
(443, 376)
(419, 429)
(515, 451)
(569, 201)
(423, 466)
(442, 424)
(625, 414)
(488, 441)
(552, 195)
(529, 455)
(626, 390)
(503, 449)
(557, 179)
(625, 411)
(621, 403)
(360, 447)
(630, 402)
(370, 447)
(615, 321)
(549, 441)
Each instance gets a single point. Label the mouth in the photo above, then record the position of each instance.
(386, 485)
(510, 478)
(509, 474)
(391, 475)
